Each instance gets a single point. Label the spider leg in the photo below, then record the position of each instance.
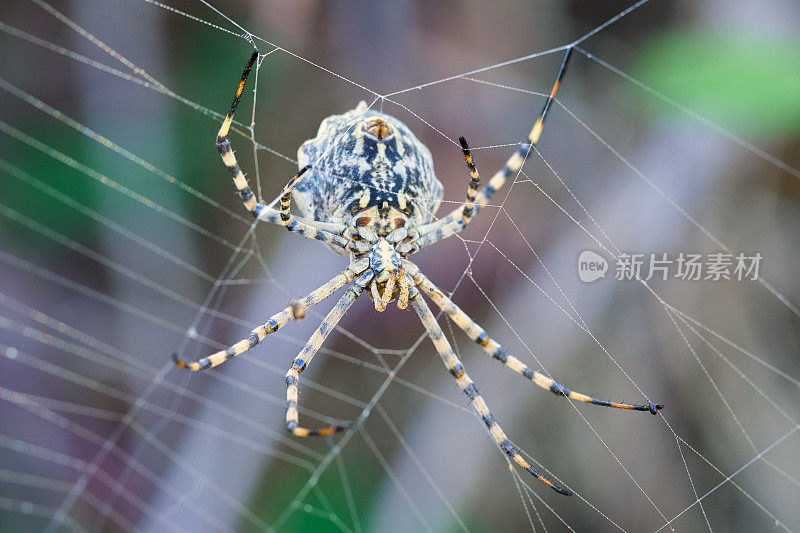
(305, 356)
(286, 197)
(455, 221)
(474, 182)
(276, 321)
(328, 233)
(454, 366)
(496, 351)
(224, 146)
(451, 225)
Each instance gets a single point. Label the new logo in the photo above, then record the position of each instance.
(591, 266)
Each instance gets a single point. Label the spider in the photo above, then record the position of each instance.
(367, 190)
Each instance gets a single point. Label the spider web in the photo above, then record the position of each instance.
(119, 248)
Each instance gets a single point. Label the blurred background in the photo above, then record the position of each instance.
(122, 241)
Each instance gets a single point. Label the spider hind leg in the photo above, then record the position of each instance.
(457, 220)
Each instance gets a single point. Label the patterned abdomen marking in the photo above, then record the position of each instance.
(352, 169)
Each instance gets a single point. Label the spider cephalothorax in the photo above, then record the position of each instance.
(366, 188)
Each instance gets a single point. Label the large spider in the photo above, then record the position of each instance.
(368, 191)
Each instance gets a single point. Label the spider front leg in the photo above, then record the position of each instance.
(450, 225)
(325, 232)
(305, 356)
(496, 351)
(295, 310)
(457, 220)
(456, 369)
(224, 146)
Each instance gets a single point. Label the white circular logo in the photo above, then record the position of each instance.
(591, 266)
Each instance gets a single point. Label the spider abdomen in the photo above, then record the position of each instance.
(363, 159)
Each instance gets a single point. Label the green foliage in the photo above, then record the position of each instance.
(18, 194)
(280, 482)
(748, 84)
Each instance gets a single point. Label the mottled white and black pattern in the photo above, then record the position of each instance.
(347, 162)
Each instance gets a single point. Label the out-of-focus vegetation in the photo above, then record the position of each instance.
(746, 83)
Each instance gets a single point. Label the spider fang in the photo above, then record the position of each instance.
(387, 290)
